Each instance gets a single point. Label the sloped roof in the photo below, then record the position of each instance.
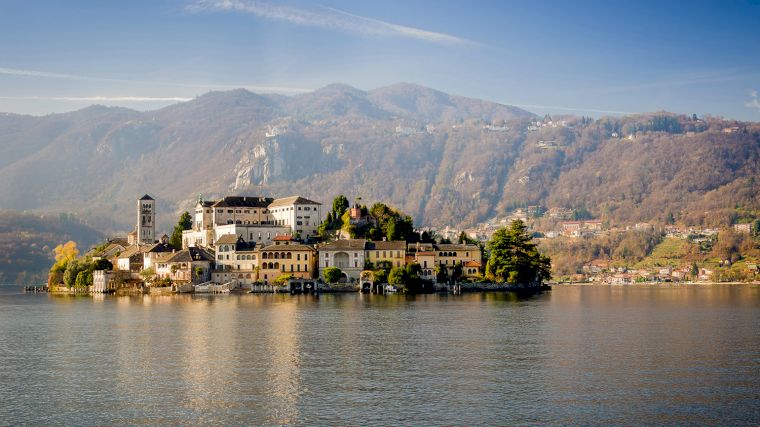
(134, 250)
(159, 247)
(163, 256)
(456, 247)
(285, 248)
(123, 241)
(146, 197)
(191, 254)
(293, 200)
(395, 245)
(244, 202)
(282, 238)
(227, 239)
(345, 244)
(472, 264)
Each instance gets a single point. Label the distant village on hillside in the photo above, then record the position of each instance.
(562, 224)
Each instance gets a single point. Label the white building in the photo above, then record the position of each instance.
(254, 219)
(347, 255)
(302, 215)
(261, 234)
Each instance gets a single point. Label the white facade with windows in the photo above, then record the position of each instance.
(347, 255)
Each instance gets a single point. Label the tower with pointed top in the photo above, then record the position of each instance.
(146, 220)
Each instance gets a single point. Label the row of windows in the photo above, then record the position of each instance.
(385, 255)
(283, 255)
(452, 254)
(247, 211)
(327, 254)
(282, 267)
(247, 222)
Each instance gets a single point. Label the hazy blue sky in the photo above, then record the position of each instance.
(564, 56)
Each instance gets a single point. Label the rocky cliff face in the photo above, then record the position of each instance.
(445, 160)
(259, 164)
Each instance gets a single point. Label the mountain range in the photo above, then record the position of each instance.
(444, 159)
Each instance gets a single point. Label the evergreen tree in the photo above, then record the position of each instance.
(340, 205)
(185, 223)
(514, 258)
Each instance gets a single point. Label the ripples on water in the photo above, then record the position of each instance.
(576, 355)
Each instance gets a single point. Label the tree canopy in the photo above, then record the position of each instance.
(514, 258)
(63, 254)
(334, 219)
(332, 274)
(185, 223)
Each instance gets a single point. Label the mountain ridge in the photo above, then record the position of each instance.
(445, 159)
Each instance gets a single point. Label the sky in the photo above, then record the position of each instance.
(573, 57)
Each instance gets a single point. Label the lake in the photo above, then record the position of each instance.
(582, 355)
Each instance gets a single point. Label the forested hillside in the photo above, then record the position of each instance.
(27, 242)
(445, 160)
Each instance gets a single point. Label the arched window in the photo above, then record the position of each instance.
(277, 265)
(264, 256)
(282, 255)
(290, 256)
(276, 255)
(440, 254)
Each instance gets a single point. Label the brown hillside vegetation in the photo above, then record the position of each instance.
(445, 160)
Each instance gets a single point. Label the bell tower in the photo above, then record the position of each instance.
(146, 220)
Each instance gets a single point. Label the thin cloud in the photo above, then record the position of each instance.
(754, 102)
(52, 75)
(687, 79)
(99, 98)
(45, 74)
(328, 18)
(577, 109)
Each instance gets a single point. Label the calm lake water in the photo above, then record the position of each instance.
(576, 355)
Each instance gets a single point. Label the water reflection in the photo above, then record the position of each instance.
(576, 355)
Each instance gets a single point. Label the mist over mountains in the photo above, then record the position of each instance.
(444, 159)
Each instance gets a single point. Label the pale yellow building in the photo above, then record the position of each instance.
(385, 254)
(287, 257)
(448, 256)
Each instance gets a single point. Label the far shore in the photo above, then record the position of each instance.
(657, 284)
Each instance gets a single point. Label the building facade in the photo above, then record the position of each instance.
(451, 257)
(302, 215)
(146, 220)
(254, 219)
(348, 255)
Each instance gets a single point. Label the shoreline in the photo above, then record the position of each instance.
(657, 284)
